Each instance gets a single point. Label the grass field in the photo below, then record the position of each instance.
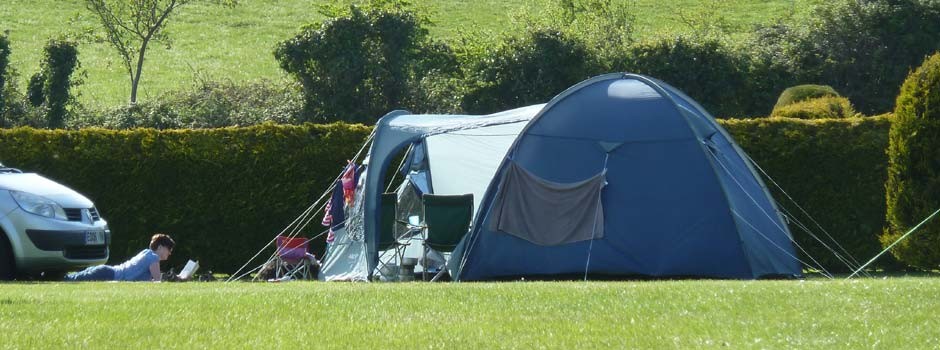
(896, 313)
(237, 44)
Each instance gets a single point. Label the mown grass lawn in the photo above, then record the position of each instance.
(236, 44)
(895, 313)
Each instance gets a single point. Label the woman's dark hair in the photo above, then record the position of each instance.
(161, 239)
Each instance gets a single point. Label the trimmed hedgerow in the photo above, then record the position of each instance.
(828, 107)
(913, 186)
(835, 169)
(221, 193)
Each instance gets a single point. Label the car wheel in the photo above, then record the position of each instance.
(7, 269)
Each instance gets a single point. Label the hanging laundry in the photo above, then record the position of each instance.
(335, 215)
(349, 183)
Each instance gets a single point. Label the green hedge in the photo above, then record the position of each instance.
(221, 193)
(835, 169)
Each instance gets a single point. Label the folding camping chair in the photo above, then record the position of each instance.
(447, 218)
(388, 241)
(292, 260)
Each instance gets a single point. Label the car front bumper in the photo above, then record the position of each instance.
(44, 244)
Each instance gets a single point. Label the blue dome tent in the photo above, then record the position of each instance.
(620, 175)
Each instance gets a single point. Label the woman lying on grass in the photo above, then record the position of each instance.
(145, 266)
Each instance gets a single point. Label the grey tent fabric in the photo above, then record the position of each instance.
(548, 213)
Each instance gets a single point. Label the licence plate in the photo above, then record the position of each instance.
(94, 237)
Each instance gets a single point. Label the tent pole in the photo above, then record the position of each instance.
(587, 264)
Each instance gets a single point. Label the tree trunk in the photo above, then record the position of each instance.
(135, 81)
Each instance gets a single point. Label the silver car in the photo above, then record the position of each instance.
(47, 227)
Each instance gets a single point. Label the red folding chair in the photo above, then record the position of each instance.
(293, 260)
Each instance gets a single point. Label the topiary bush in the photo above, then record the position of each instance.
(829, 107)
(913, 186)
(805, 92)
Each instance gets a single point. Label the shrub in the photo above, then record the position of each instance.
(835, 169)
(863, 48)
(913, 186)
(206, 104)
(830, 107)
(34, 90)
(361, 64)
(801, 93)
(51, 86)
(527, 70)
(704, 69)
(221, 193)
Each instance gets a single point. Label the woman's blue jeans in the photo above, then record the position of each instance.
(94, 273)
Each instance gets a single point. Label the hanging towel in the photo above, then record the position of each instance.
(349, 182)
(335, 215)
(548, 213)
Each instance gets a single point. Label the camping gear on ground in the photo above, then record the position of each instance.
(620, 175)
(406, 272)
(388, 240)
(292, 259)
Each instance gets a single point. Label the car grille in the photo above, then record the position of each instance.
(75, 214)
(86, 252)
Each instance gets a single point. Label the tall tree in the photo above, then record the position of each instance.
(132, 25)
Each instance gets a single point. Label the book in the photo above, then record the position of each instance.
(189, 269)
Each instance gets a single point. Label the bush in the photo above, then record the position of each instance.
(34, 90)
(829, 107)
(704, 69)
(60, 59)
(361, 64)
(206, 104)
(835, 169)
(221, 193)
(801, 93)
(863, 48)
(913, 186)
(525, 70)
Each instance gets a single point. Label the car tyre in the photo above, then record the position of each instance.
(7, 269)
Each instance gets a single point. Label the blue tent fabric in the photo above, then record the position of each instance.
(680, 200)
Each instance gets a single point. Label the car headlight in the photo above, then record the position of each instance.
(38, 205)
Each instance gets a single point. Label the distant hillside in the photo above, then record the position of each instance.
(236, 44)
